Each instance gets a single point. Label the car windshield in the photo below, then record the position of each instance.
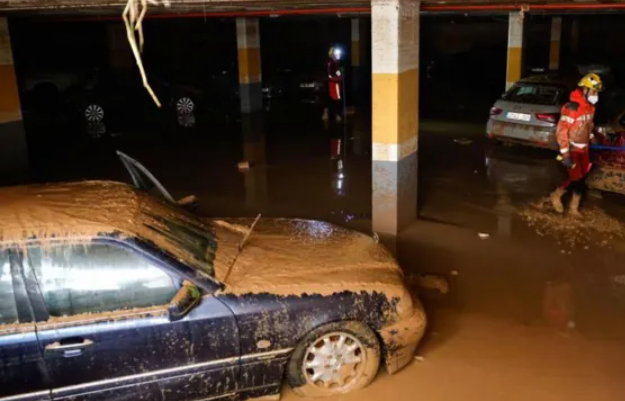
(535, 94)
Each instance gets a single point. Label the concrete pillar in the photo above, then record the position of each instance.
(13, 147)
(120, 53)
(556, 40)
(574, 36)
(395, 46)
(250, 83)
(250, 78)
(254, 154)
(515, 49)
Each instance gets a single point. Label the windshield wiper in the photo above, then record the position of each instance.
(242, 243)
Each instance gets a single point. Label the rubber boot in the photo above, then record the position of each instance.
(556, 199)
(574, 206)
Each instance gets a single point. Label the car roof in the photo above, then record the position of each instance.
(78, 212)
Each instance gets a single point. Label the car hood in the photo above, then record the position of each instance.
(297, 257)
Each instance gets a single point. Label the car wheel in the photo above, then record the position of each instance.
(335, 358)
(185, 105)
(94, 113)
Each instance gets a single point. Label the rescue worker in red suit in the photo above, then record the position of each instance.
(574, 135)
(334, 104)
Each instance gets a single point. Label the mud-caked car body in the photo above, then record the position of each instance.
(108, 293)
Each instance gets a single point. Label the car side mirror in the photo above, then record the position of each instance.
(187, 297)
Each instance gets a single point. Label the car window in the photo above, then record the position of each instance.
(96, 278)
(535, 94)
(8, 309)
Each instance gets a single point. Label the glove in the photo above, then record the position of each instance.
(567, 161)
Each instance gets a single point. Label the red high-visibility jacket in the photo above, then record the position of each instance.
(575, 128)
(335, 79)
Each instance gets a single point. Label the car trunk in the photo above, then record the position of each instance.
(531, 104)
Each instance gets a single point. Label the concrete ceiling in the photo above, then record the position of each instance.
(264, 7)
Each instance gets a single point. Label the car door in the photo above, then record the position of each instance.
(109, 337)
(23, 374)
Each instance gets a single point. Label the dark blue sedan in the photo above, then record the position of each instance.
(109, 293)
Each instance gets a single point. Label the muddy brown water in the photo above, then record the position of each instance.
(490, 337)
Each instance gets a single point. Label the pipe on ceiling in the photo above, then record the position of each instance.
(367, 10)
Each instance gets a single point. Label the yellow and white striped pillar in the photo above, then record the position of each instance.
(250, 78)
(395, 92)
(556, 40)
(515, 48)
(13, 147)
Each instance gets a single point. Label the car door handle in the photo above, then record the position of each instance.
(68, 350)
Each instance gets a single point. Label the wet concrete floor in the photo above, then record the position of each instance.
(489, 338)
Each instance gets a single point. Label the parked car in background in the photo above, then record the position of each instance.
(108, 292)
(117, 96)
(40, 91)
(529, 112)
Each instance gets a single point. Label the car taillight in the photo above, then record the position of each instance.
(495, 111)
(548, 117)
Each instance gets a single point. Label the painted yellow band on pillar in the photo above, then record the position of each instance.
(395, 80)
(395, 118)
(355, 42)
(10, 109)
(249, 66)
(248, 45)
(556, 39)
(515, 49)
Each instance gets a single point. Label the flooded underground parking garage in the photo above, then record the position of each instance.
(351, 201)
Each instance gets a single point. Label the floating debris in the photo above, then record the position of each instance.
(454, 272)
(483, 235)
(419, 358)
(243, 166)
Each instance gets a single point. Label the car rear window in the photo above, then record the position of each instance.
(535, 94)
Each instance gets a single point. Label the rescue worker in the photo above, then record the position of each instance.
(334, 104)
(574, 134)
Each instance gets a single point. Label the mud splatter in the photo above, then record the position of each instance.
(595, 228)
(78, 212)
(295, 257)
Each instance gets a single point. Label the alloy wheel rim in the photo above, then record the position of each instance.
(94, 113)
(185, 105)
(334, 361)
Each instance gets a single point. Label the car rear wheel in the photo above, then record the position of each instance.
(185, 105)
(94, 113)
(334, 359)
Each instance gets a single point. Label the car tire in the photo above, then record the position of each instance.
(184, 105)
(93, 113)
(335, 352)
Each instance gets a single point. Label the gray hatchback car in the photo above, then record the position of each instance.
(529, 112)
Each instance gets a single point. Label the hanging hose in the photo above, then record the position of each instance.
(133, 16)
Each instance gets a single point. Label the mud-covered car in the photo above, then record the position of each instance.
(110, 293)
